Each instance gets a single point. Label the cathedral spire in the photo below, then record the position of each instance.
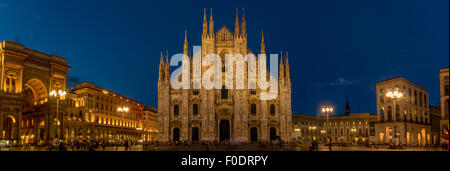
(236, 24)
(211, 24)
(161, 67)
(205, 23)
(263, 44)
(243, 26)
(167, 66)
(288, 72)
(186, 47)
(281, 73)
(347, 108)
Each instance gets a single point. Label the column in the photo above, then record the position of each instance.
(19, 126)
(47, 127)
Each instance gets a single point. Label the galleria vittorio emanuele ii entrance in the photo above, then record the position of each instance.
(27, 112)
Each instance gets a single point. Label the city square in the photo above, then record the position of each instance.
(199, 147)
(152, 99)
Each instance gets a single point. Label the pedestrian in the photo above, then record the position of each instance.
(330, 144)
(61, 147)
(126, 145)
(78, 145)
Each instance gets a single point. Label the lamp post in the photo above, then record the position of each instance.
(327, 110)
(122, 110)
(58, 95)
(395, 96)
(353, 130)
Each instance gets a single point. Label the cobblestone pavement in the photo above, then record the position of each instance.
(198, 147)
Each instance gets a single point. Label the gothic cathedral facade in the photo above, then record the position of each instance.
(223, 114)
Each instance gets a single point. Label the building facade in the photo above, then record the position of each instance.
(444, 87)
(409, 118)
(27, 112)
(223, 114)
(30, 111)
(344, 129)
(94, 113)
(435, 113)
(150, 123)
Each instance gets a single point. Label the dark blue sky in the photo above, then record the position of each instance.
(337, 49)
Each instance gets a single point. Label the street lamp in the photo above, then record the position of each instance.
(58, 95)
(353, 130)
(122, 110)
(395, 96)
(327, 110)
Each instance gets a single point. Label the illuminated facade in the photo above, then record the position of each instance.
(27, 112)
(409, 119)
(150, 123)
(444, 87)
(94, 113)
(226, 114)
(348, 128)
(36, 107)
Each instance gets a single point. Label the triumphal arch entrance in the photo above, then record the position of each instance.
(28, 114)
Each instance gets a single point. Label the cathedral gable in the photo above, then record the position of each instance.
(224, 38)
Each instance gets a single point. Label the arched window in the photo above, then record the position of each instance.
(195, 109)
(389, 114)
(272, 109)
(176, 110)
(7, 84)
(13, 85)
(253, 109)
(415, 97)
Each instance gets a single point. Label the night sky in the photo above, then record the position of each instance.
(337, 49)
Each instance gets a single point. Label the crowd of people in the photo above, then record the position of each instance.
(83, 145)
(222, 145)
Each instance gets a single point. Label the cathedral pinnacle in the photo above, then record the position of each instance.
(211, 25)
(205, 23)
(186, 47)
(236, 24)
(263, 44)
(244, 27)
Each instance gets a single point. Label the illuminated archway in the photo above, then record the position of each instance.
(35, 92)
(41, 131)
(9, 125)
